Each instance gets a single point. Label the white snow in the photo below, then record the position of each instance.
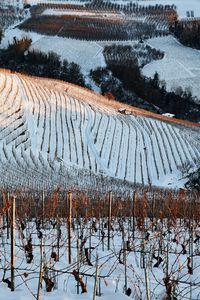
(78, 2)
(68, 126)
(182, 5)
(165, 240)
(179, 67)
(94, 14)
(17, 3)
(86, 54)
(12, 33)
(168, 115)
(22, 294)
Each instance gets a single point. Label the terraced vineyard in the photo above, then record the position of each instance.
(56, 134)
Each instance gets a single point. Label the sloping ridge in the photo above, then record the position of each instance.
(57, 134)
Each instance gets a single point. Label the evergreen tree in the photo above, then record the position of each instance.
(65, 72)
(75, 74)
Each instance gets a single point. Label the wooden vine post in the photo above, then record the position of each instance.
(133, 213)
(148, 294)
(7, 218)
(125, 267)
(43, 208)
(13, 245)
(78, 263)
(109, 217)
(153, 210)
(69, 225)
(41, 270)
(96, 278)
(58, 238)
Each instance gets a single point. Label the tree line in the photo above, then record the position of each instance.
(123, 79)
(1, 34)
(18, 58)
(129, 7)
(188, 33)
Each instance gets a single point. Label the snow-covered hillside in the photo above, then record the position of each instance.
(52, 130)
(180, 66)
(88, 55)
(183, 6)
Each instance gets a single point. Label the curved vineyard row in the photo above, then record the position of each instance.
(50, 131)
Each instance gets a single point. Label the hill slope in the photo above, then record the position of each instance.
(56, 134)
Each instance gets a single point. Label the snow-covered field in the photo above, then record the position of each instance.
(70, 12)
(78, 2)
(182, 5)
(47, 125)
(65, 287)
(131, 262)
(13, 32)
(179, 67)
(86, 54)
